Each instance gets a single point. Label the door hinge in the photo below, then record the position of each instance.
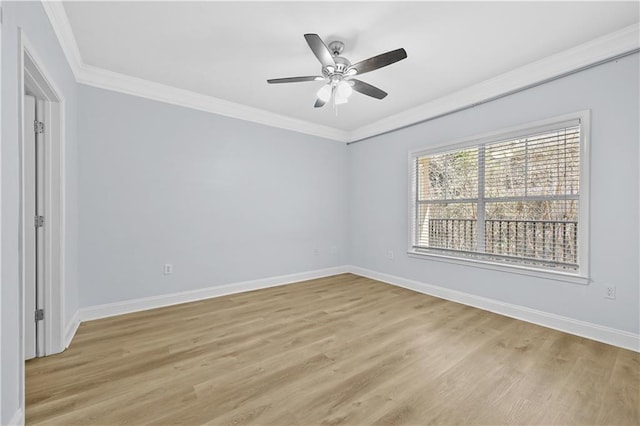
(38, 221)
(39, 314)
(38, 126)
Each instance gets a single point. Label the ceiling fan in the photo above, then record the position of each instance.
(339, 73)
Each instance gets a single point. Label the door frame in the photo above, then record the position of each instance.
(30, 302)
(32, 74)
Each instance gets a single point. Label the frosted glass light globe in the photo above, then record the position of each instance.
(324, 93)
(343, 91)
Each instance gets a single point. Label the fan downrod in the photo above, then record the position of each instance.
(336, 47)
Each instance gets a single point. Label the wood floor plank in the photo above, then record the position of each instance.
(342, 350)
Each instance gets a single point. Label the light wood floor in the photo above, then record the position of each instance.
(338, 350)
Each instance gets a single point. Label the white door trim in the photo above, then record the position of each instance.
(29, 237)
(41, 238)
(32, 73)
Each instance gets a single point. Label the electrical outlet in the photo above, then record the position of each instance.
(610, 292)
(334, 250)
(168, 268)
(390, 255)
(316, 251)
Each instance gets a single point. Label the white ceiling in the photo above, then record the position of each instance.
(227, 50)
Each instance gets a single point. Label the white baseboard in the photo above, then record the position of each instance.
(589, 330)
(592, 331)
(17, 419)
(71, 329)
(143, 304)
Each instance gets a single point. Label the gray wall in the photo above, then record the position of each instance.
(378, 219)
(221, 199)
(31, 17)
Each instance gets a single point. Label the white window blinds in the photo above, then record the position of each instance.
(511, 200)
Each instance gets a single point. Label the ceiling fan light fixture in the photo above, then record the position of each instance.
(338, 72)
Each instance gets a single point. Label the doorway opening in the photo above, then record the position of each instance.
(42, 207)
(34, 184)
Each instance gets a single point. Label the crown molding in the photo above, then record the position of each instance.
(61, 26)
(104, 79)
(560, 64)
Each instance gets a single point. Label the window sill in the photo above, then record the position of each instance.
(515, 269)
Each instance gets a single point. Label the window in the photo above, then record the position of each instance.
(510, 198)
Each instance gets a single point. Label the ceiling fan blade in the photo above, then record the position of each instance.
(379, 61)
(294, 79)
(320, 49)
(367, 89)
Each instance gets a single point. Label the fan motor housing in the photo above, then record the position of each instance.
(336, 47)
(341, 67)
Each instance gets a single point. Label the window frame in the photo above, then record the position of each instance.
(582, 275)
